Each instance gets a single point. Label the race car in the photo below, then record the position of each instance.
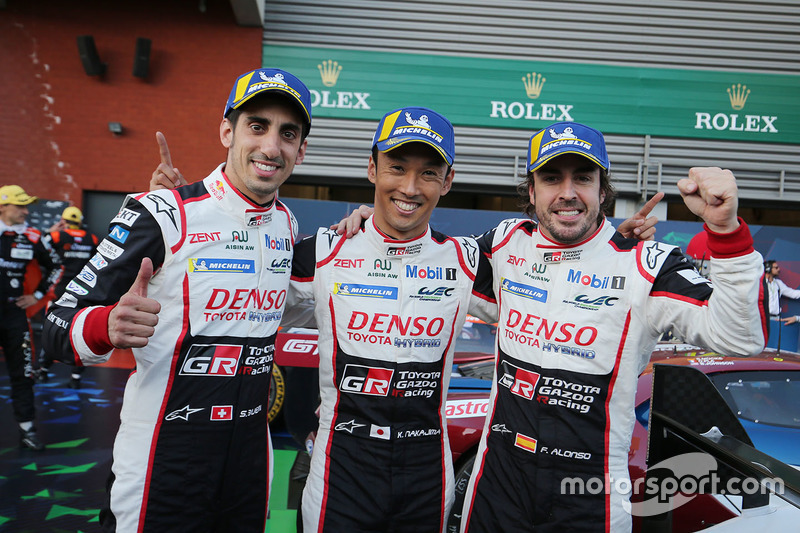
(761, 391)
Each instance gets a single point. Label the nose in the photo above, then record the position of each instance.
(270, 144)
(567, 190)
(408, 184)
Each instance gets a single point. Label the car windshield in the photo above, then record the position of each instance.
(763, 397)
(476, 336)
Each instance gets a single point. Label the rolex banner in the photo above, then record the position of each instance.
(511, 93)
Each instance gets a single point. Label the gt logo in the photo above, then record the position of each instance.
(366, 380)
(211, 360)
(301, 346)
(519, 381)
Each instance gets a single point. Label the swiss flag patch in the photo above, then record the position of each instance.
(222, 412)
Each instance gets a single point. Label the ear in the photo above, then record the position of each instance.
(531, 193)
(226, 133)
(448, 182)
(301, 153)
(371, 170)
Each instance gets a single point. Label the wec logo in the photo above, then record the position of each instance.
(366, 380)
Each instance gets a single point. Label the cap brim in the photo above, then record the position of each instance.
(541, 162)
(390, 144)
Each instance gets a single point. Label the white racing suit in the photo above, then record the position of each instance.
(576, 327)
(193, 450)
(388, 314)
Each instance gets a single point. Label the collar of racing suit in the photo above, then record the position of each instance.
(392, 247)
(234, 202)
(16, 228)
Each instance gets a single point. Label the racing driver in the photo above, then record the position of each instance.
(580, 310)
(193, 449)
(389, 304)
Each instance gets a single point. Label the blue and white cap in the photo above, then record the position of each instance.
(416, 124)
(269, 79)
(567, 138)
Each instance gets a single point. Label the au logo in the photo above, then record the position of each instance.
(738, 94)
(533, 84)
(329, 71)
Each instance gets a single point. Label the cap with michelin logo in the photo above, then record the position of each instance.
(16, 195)
(416, 124)
(269, 79)
(567, 138)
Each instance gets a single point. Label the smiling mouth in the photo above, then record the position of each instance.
(264, 167)
(405, 206)
(568, 213)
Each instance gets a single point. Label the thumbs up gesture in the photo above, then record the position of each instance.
(165, 176)
(132, 322)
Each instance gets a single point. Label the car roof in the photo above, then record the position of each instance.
(709, 361)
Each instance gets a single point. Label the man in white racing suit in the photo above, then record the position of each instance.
(208, 269)
(580, 310)
(389, 304)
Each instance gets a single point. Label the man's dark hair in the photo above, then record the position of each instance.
(281, 98)
(605, 187)
(768, 264)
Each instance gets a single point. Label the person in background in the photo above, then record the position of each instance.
(74, 246)
(774, 290)
(19, 246)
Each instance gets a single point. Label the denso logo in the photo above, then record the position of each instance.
(562, 331)
(519, 381)
(348, 263)
(195, 238)
(388, 324)
(606, 282)
(414, 271)
(221, 360)
(245, 299)
(278, 244)
(366, 380)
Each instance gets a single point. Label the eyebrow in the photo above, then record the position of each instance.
(265, 122)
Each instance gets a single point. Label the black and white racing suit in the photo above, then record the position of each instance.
(74, 248)
(20, 245)
(576, 327)
(193, 450)
(388, 314)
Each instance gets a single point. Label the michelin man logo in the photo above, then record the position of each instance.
(277, 78)
(566, 135)
(422, 122)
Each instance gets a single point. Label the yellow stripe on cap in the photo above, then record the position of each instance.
(536, 143)
(388, 125)
(241, 86)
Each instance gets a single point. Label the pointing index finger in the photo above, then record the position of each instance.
(650, 205)
(163, 149)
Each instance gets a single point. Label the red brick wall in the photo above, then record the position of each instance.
(54, 137)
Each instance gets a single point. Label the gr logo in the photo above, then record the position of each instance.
(221, 360)
(369, 380)
(521, 382)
